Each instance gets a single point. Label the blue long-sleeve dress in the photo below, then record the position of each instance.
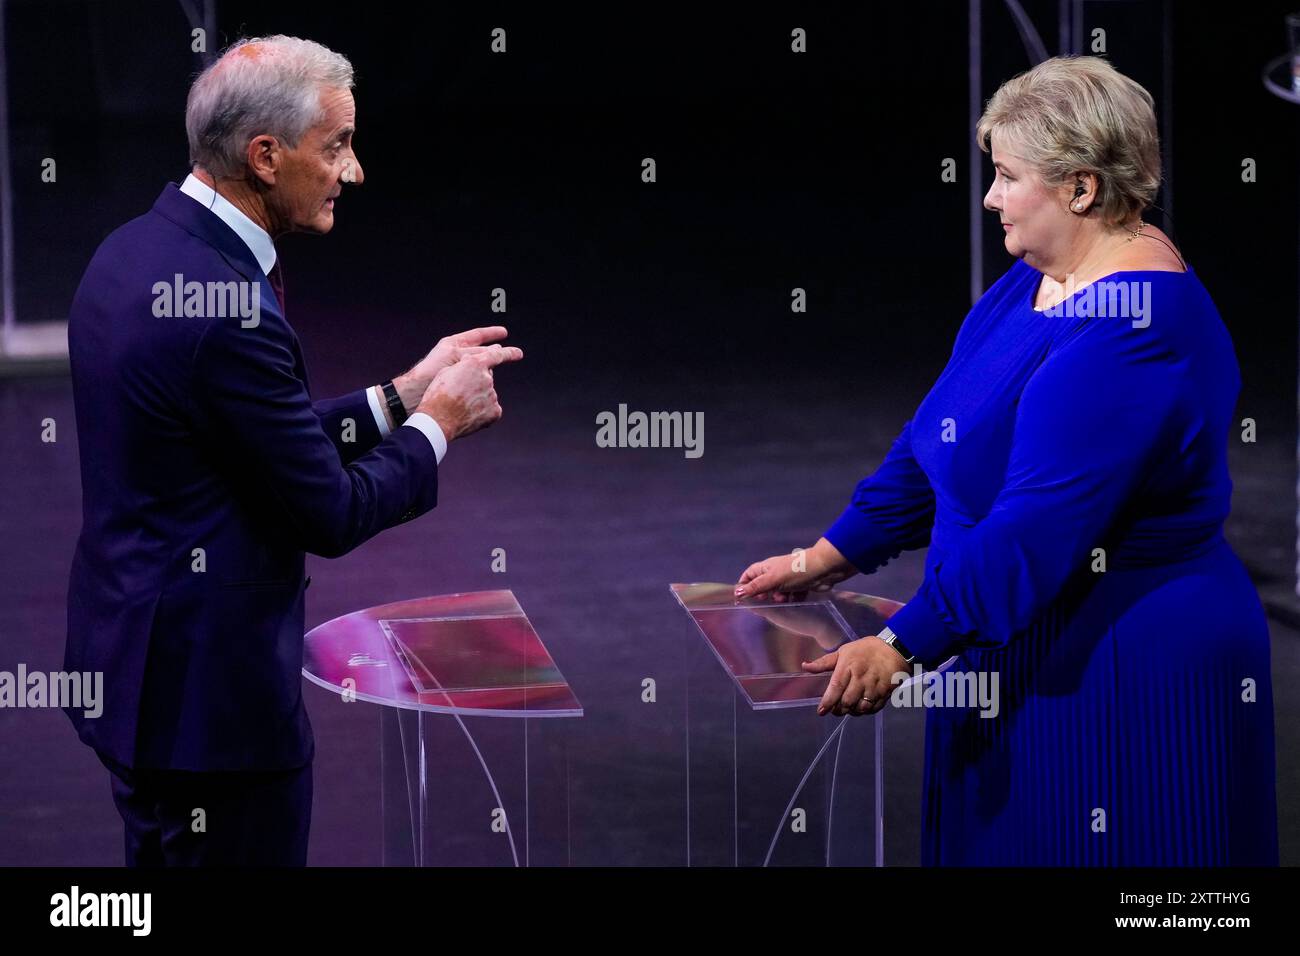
(1069, 474)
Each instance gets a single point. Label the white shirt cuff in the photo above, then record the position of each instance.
(432, 431)
(377, 410)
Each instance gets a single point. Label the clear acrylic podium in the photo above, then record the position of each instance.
(474, 769)
(768, 781)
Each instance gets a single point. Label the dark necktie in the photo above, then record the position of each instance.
(276, 278)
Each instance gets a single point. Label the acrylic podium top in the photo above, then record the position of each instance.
(471, 653)
(761, 644)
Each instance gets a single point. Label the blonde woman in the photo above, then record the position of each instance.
(1068, 472)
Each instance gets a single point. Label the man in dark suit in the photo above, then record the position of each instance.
(208, 471)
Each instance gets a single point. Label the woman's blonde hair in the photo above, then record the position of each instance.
(1078, 113)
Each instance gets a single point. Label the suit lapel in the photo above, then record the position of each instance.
(206, 225)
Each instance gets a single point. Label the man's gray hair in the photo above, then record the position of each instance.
(260, 85)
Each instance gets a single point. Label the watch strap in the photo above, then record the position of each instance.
(394, 402)
(890, 638)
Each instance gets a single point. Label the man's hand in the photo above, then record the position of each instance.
(413, 384)
(462, 398)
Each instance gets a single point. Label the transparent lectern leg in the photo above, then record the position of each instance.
(775, 786)
(399, 751)
(899, 816)
(710, 770)
(431, 790)
(421, 787)
(460, 790)
(756, 779)
(878, 755)
(546, 826)
(853, 792)
(473, 788)
(789, 762)
(879, 751)
(807, 787)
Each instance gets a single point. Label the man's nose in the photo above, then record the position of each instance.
(352, 172)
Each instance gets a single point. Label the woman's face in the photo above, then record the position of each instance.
(1035, 216)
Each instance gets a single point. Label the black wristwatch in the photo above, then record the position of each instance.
(394, 402)
(890, 638)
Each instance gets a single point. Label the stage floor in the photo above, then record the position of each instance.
(592, 536)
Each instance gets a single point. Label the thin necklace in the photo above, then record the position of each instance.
(1134, 234)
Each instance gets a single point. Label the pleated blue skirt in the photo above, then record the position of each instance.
(1135, 728)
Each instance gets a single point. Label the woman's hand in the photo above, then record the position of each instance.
(862, 681)
(792, 576)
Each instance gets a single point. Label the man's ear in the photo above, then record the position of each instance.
(265, 156)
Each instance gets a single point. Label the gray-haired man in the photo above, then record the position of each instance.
(208, 471)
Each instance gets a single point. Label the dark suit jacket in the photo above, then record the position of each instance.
(200, 433)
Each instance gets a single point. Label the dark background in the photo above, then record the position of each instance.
(523, 171)
(775, 170)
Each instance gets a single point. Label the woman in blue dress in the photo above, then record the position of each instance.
(1068, 472)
